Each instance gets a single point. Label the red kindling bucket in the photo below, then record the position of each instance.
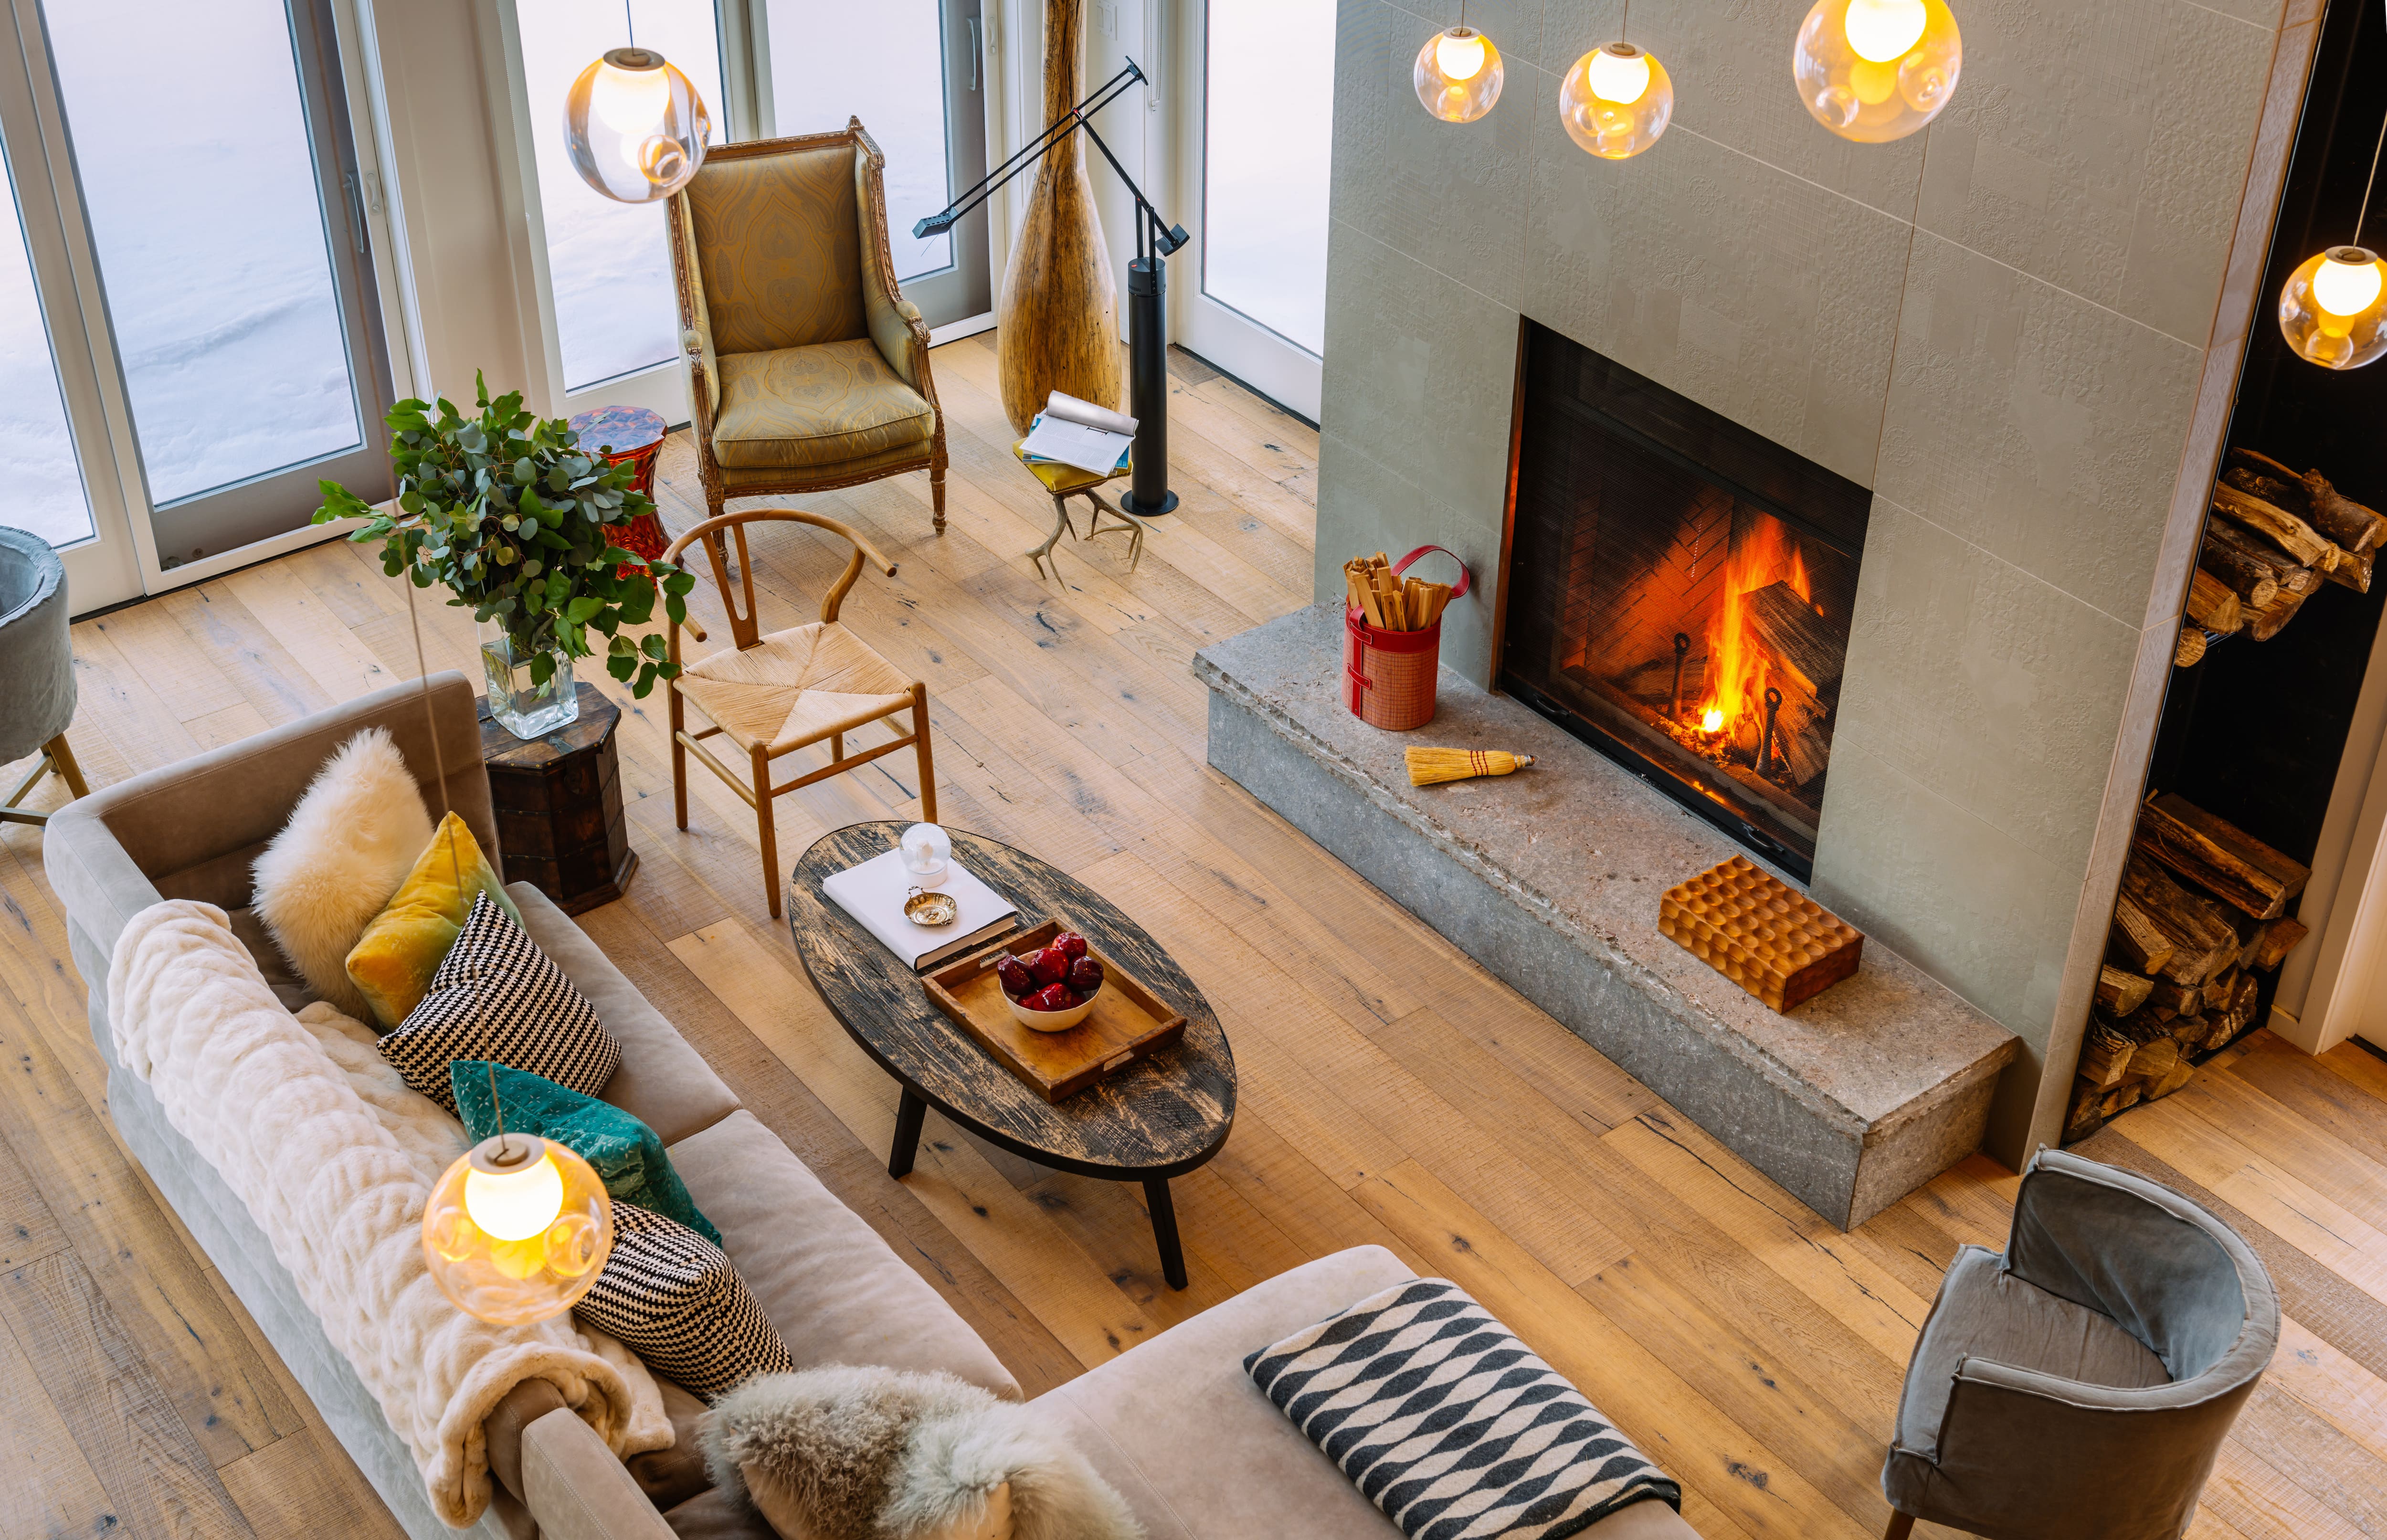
(1388, 677)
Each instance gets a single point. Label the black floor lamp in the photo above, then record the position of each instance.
(1147, 287)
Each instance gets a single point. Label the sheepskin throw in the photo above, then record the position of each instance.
(348, 844)
(497, 996)
(878, 1454)
(334, 1160)
(1450, 1425)
(671, 1295)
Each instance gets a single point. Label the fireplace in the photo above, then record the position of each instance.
(1678, 593)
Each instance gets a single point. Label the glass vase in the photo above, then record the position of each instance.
(521, 708)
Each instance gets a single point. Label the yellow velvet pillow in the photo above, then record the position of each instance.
(393, 963)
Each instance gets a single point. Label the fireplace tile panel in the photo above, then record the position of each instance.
(1753, 294)
(1955, 650)
(1551, 878)
(2117, 179)
(2042, 428)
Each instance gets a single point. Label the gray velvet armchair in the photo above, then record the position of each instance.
(2079, 1386)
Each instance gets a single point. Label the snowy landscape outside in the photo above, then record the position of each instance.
(1269, 120)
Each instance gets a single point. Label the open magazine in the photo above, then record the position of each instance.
(1070, 431)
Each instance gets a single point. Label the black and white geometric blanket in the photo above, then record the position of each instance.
(1449, 1424)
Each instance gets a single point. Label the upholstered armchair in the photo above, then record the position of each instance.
(809, 370)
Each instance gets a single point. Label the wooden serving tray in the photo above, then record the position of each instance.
(1128, 1023)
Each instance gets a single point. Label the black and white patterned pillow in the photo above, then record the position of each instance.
(673, 1299)
(497, 996)
(1450, 1425)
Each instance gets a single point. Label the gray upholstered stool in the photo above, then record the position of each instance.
(37, 683)
(2079, 1387)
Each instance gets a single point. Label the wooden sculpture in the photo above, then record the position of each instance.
(1059, 315)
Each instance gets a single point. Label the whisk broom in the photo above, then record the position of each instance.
(1430, 766)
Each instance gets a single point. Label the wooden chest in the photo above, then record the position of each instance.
(557, 801)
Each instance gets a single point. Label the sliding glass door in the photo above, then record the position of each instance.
(210, 152)
(1258, 157)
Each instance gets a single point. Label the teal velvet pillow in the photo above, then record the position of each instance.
(626, 1154)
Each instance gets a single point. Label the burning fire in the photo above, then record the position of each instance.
(1736, 665)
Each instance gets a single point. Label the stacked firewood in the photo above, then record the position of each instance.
(2275, 537)
(2201, 912)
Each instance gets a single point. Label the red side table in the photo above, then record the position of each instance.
(631, 435)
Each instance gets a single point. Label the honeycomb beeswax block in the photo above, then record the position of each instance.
(1773, 940)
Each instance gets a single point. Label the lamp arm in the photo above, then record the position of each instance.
(1060, 129)
(1166, 238)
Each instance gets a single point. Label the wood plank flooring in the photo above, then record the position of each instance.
(1392, 1093)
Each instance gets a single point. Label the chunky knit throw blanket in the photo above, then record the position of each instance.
(335, 1158)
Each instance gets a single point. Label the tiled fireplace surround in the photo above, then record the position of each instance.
(2020, 328)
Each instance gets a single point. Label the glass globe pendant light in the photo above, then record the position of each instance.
(635, 126)
(2334, 307)
(1875, 70)
(517, 1229)
(1458, 73)
(1616, 100)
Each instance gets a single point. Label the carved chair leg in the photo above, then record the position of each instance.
(769, 830)
(937, 492)
(1900, 1526)
(678, 721)
(62, 760)
(836, 747)
(920, 751)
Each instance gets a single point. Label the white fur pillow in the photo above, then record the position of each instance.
(350, 842)
(878, 1454)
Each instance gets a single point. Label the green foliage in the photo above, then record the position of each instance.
(518, 522)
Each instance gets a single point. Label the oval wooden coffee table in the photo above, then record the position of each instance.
(1158, 1118)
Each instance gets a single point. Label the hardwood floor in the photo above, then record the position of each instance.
(1392, 1093)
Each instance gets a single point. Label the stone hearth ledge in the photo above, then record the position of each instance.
(1550, 878)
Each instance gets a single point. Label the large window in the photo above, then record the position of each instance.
(1268, 117)
(36, 452)
(609, 263)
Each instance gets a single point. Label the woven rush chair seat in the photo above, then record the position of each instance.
(773, 694)
(833, 404)
(794, 688)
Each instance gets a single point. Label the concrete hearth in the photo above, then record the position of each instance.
(1550, 878)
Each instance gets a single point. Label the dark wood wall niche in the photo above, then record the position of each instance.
(2252, 734)
(1678, 591)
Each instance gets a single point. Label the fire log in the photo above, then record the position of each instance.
(1790, 629)
(2310, 496)
(2270, 619)
(2253, 568)
(2273, 940)
(2120, 992)
(2167, 999)
(2203, 939)
(2155, 1059)
(2213, 604)
(2137, 941)
(2105, 1056)
(2291, 534)
(2087, 1113)
(2353, 571)
(2189, 651)
(2219, 856)
(2171, 1080)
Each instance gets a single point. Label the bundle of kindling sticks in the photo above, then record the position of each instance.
(1393, 603)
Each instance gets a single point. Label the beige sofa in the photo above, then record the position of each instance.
(1174, 1424)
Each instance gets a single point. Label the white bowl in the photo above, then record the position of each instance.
(1052, 1021)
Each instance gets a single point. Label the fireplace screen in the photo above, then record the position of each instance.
(1678, 593)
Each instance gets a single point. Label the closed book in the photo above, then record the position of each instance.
(874, 894)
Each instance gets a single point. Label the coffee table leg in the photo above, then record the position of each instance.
(909, 1114)
(1164, 1230)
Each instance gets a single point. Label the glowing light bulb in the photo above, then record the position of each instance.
(1619, 78)
(2331, 309)
(516, 1204)
(630, 102)
(635, 127)
(517, 1229)
(1883, 29)
(1712, 722)
(2346, 287)
(1875, 70)
(1459, 54)
(1458, 75)
(1616, 101)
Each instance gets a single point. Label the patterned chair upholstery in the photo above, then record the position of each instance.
(810, 370)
